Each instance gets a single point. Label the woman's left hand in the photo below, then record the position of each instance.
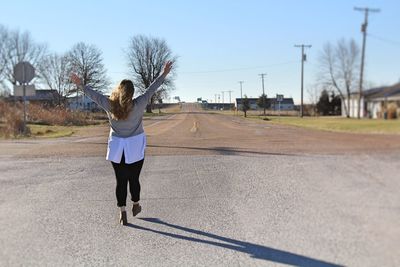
(167, 67)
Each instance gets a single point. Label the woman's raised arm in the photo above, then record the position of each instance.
(156, 83)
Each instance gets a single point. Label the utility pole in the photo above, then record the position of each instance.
(222, 92)
(364, 31)
(263, 98)
(303, 58)
(230, 99)
(241, 97)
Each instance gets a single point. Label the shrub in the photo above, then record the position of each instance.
(12, 116)
(56, 115)
(392, 111)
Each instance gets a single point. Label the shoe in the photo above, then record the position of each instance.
(136, 209)
(122, 218)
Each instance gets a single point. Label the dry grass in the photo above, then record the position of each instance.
(55, 116)
(50, 121)
(49, 131)
(11, 119)
(12, 116)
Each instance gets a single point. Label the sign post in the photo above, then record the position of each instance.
(24, 72)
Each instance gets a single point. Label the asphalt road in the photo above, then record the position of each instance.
(216, 191)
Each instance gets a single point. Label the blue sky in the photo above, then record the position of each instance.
(219, 42)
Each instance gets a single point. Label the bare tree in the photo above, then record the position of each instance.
(3, 41)
(245, 105)
(313, 92)
(313, 96)
(339, 69)
(3, 59)
(87, 62)
(55, 73)
(146, 59)
(21, 47)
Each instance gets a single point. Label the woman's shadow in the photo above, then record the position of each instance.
(254, 250)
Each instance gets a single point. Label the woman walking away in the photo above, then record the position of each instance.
(127, 140)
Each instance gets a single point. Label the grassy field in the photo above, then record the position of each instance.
(46, 131)
(338, 124)
(53, 131)
(50, 131)
(335, 124)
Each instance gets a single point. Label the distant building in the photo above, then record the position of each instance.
(252, 103)
(272, 104)
(48, 96)
(374, 102)
(217, 106)
(285, 104)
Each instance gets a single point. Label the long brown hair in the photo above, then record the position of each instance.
(121, 100)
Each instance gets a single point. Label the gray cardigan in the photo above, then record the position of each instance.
(132, 125)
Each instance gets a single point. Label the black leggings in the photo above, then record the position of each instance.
(124, 173)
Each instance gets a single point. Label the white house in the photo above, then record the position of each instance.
(374, 102)
(82, 102)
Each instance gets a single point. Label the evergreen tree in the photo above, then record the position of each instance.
(336, 104)
(323, 105)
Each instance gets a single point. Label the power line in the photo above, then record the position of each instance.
(383, 39)
(239, 69)
(224, 70)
